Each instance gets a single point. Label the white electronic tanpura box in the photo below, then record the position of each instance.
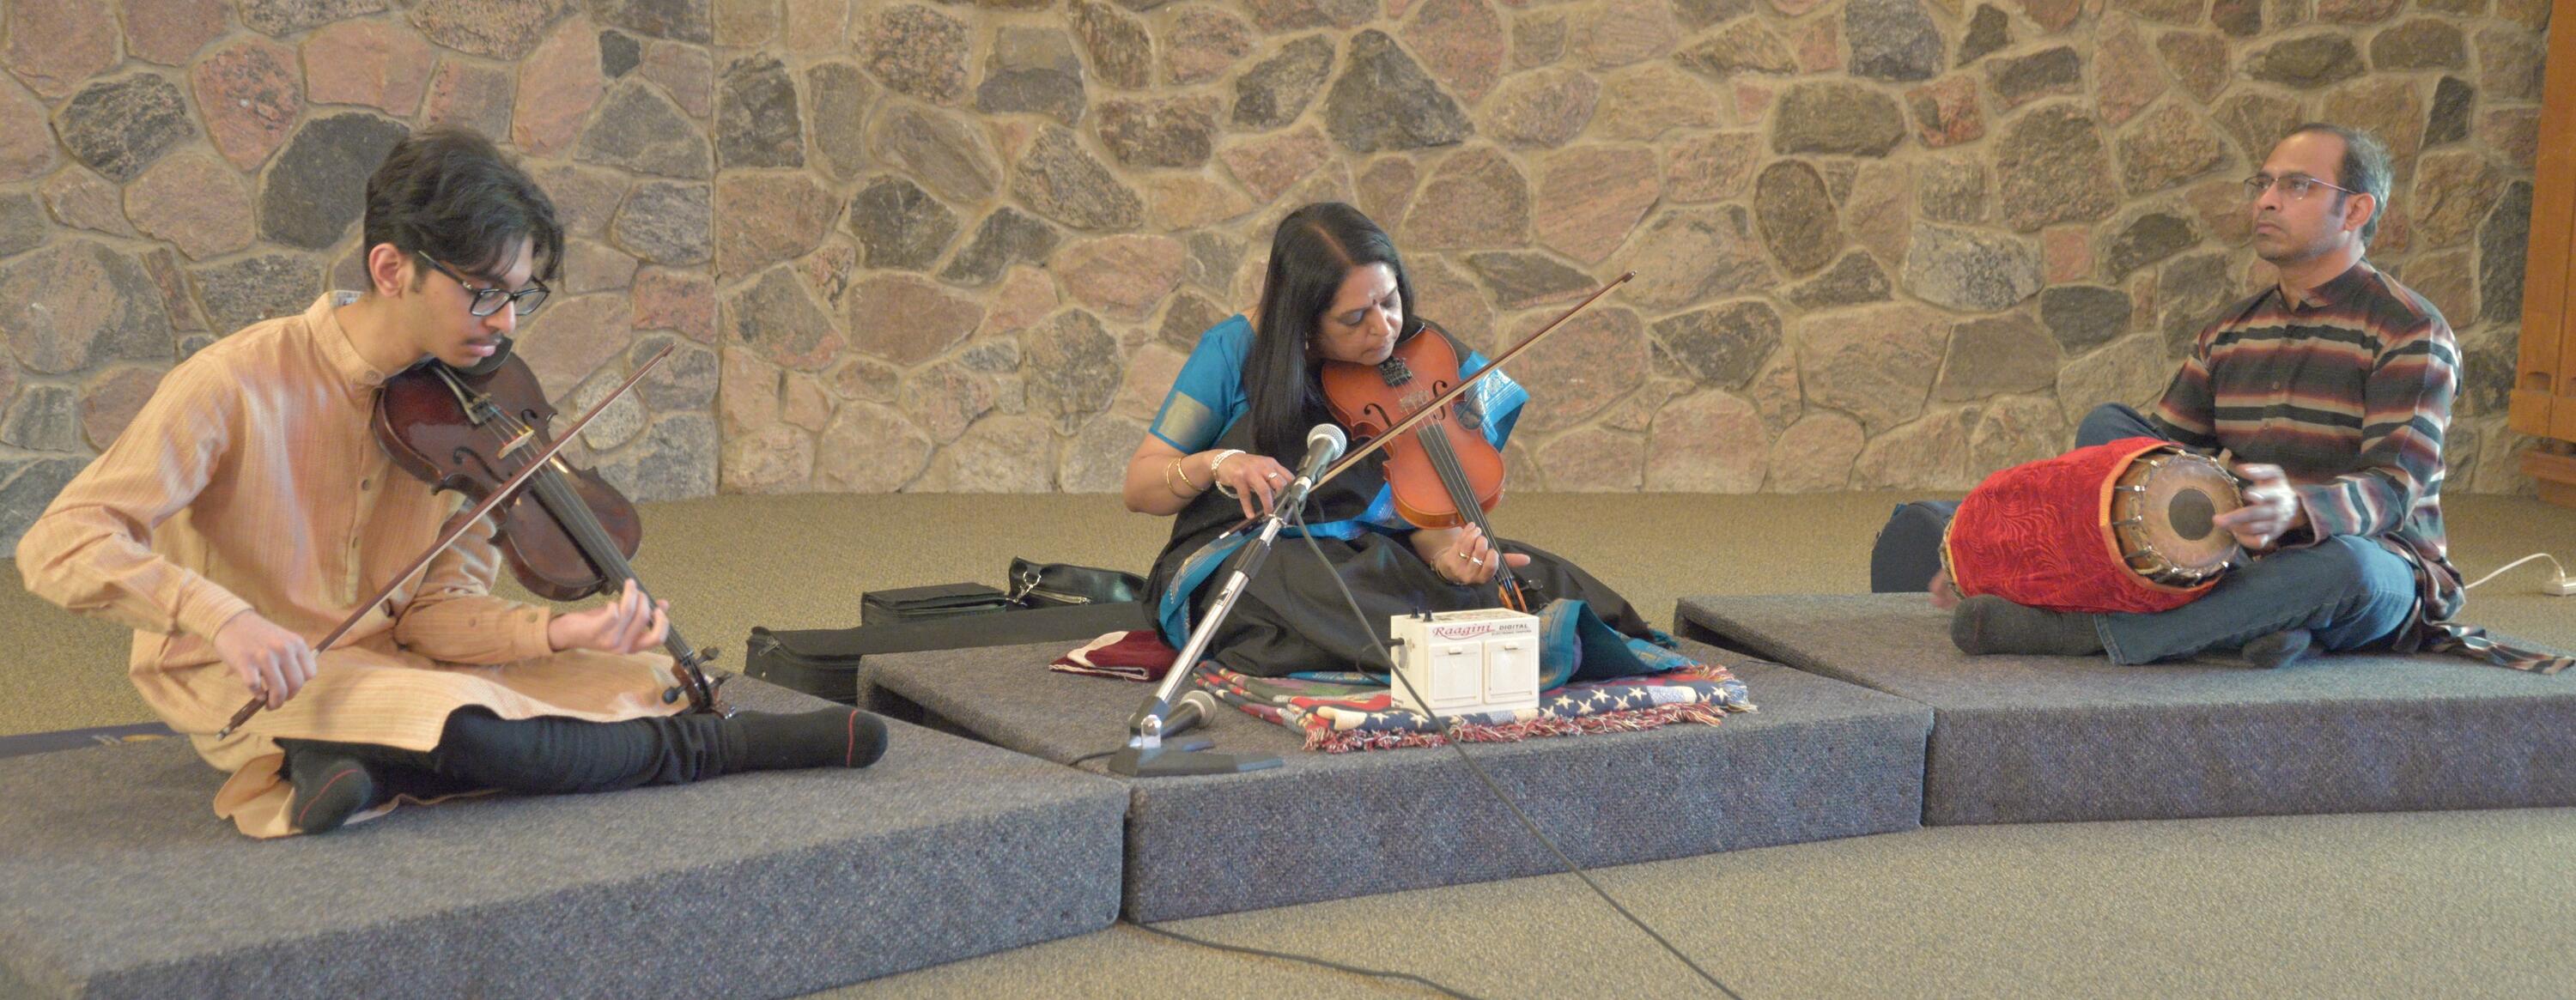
(1467, 661)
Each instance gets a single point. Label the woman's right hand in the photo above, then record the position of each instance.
(1255, 480)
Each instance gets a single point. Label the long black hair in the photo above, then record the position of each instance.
(1316, 247)
(450, 193)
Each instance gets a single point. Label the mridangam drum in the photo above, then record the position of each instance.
(2124, 526)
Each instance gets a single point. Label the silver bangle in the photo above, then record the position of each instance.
(1218, 481)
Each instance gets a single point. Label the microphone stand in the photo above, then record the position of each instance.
(1145, 755)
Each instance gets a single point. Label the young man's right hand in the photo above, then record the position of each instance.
(273, 662)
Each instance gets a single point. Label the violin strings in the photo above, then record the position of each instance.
(1462, 495)
(555, 495)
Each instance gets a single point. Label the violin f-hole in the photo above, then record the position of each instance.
(464, 456)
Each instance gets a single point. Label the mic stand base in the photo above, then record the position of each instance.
(1160, 762)
(1145, 754)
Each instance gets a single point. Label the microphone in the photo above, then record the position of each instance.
(1323, 444)
(1192, 709)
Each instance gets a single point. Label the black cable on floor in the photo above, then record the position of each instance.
(1307, 959)
(1478, 769)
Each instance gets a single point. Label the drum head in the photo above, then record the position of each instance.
(2164, 512)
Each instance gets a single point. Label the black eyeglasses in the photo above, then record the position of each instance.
(488, 298)
(2293, 186)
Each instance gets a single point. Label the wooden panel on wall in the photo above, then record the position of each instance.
(2544, 396)
(2544, 390)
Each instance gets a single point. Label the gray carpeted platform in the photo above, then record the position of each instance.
(1820, 760)
(2044, 738)
(118, 880)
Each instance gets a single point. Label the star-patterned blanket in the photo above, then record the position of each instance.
(1592, 680)
(1338, 716)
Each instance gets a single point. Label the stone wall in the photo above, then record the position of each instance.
(172, 170)
(943, 246)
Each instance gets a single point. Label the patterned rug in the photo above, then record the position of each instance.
(1339, 716)
(1592, 679)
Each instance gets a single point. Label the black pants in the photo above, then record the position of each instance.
(548, 756)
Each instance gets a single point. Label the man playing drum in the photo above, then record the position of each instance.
(2332, 389)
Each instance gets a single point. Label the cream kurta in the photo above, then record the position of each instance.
(251, 480)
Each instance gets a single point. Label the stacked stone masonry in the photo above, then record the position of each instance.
(932, 246)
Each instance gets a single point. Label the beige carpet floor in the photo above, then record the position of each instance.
(2469, 904)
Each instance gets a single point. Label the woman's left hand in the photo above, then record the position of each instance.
(1463, 555)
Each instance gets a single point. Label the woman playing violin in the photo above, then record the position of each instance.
(248, 509)
(1237, 416)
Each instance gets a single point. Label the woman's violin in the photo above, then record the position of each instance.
(1441, 469)
(1443, 472)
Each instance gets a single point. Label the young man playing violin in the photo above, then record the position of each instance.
(248, 508)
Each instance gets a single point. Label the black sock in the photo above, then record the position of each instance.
(1988, 624)
(830, 737)
(2278, 648)
(330, 784)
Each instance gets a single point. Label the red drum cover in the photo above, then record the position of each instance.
(2039, 535)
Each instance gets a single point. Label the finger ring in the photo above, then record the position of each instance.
(1476, 561)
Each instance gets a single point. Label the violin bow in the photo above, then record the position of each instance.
(1464, 384)
(456, 529)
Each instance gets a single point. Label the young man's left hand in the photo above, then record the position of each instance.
(628, 624)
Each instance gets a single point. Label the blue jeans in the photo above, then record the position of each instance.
(2347, 591)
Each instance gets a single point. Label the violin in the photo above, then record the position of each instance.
(568, 534)
(1443, 472)
(1387, 403)
(492, 455)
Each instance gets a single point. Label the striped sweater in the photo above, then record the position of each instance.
(2349, 392)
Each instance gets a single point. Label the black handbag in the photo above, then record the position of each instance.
(1049, 585)
(912, 604)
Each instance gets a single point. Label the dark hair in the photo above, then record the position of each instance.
(1315, 248)
(450, 193)
(2364, 170)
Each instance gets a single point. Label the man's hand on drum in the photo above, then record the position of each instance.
(1255, 480)
(1945, 593)
(2271, 508)
(1462, 554)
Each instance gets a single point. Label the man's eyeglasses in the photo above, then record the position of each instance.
(488, 298)
(2293, 186)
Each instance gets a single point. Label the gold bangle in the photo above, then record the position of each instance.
(1195, 489)
(1167, 479)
